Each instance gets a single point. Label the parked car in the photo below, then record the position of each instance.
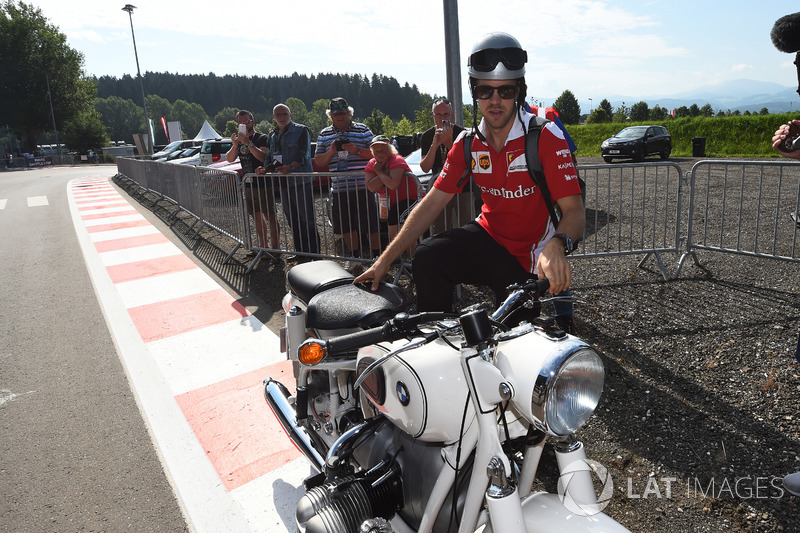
(637, 142)
(214, 150)
(413, 159)
(236, 166)
(190, 156)
(182, 154)
(175, 146)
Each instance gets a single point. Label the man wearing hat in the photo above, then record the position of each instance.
(344, 147)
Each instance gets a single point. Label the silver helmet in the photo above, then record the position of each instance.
(497, 56)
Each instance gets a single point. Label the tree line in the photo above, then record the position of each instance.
(570, 112)
(43, 83)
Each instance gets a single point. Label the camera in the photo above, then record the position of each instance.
(272, 166)
(445, 125)
(340, 143)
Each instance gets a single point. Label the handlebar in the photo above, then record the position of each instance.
(535, 287)
(352, 341)
(404, 325)
(401, 326)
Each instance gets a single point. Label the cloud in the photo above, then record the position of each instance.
(742, 67)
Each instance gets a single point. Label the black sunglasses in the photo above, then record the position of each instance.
(486, 60)
(484, 92)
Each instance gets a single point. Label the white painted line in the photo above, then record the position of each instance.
(280, 490)
(97, 198)
(117, 201)
(123, 233)
(112, 220)
(209, 355)
(126, 207)
(37, 201)
(140, 253)
(3, 203)
(165, 287)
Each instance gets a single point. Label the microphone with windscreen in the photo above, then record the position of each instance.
(785, 36)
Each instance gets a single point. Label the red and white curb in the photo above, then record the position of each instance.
(196, 360)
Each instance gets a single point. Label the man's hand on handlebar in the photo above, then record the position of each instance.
(554, 266)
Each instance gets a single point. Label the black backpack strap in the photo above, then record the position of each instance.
(467, 143)
(535, 165)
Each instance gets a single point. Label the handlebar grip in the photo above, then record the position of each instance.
(352, 341)
(538, 286)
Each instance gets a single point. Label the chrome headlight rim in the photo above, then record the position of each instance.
(546, 408)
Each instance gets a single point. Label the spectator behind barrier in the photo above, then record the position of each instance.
(344, 147)
(250, 147)
(289, 150)
(389, 175)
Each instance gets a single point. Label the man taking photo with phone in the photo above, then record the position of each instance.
(250, 146)
(435, 143)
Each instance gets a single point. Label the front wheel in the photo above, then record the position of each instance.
(665, 154)
(608, 159)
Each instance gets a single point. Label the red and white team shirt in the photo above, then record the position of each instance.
(514, 212)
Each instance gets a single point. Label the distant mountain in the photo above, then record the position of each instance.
(742, 94)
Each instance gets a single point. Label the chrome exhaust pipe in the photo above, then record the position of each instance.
(277, 397)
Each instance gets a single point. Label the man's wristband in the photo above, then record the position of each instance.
(569, 247)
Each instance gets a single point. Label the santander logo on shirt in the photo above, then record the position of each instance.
(519, 192)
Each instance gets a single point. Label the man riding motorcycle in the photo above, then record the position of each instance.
(512, 238)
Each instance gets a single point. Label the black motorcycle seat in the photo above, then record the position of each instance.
(351, 306)
(306, 280)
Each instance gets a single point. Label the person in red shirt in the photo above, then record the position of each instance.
(388, 174)
(513, 238)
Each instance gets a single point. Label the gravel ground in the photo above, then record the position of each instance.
(698, 422)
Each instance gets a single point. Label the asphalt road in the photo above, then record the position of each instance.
(75, 454)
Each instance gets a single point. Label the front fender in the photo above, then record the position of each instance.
(544, 512)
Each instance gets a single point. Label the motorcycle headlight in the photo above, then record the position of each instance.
(558, 381)
(566, 395)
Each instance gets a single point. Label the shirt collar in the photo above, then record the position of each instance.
(517, 130)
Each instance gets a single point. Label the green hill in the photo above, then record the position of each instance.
(739, 136)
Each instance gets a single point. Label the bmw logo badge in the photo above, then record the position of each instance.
(402, 393)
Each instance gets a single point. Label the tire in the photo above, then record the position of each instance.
(665, 154)
(639, 155)
(608, 159)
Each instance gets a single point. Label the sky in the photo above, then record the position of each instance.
(596, 49)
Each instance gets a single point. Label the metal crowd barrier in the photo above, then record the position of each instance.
(221, 204)
(304, 215)
(632, 209)
(745, 208)
(734, 207)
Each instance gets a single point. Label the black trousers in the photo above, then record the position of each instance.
(462, 255)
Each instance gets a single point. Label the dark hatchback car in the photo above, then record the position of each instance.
(637, 142)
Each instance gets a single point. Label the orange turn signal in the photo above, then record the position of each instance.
(311, 352)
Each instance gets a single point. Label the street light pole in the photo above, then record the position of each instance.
(453, 59)
(53, 114)
(129, 8)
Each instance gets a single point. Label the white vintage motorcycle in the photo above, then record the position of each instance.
(434, 422)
